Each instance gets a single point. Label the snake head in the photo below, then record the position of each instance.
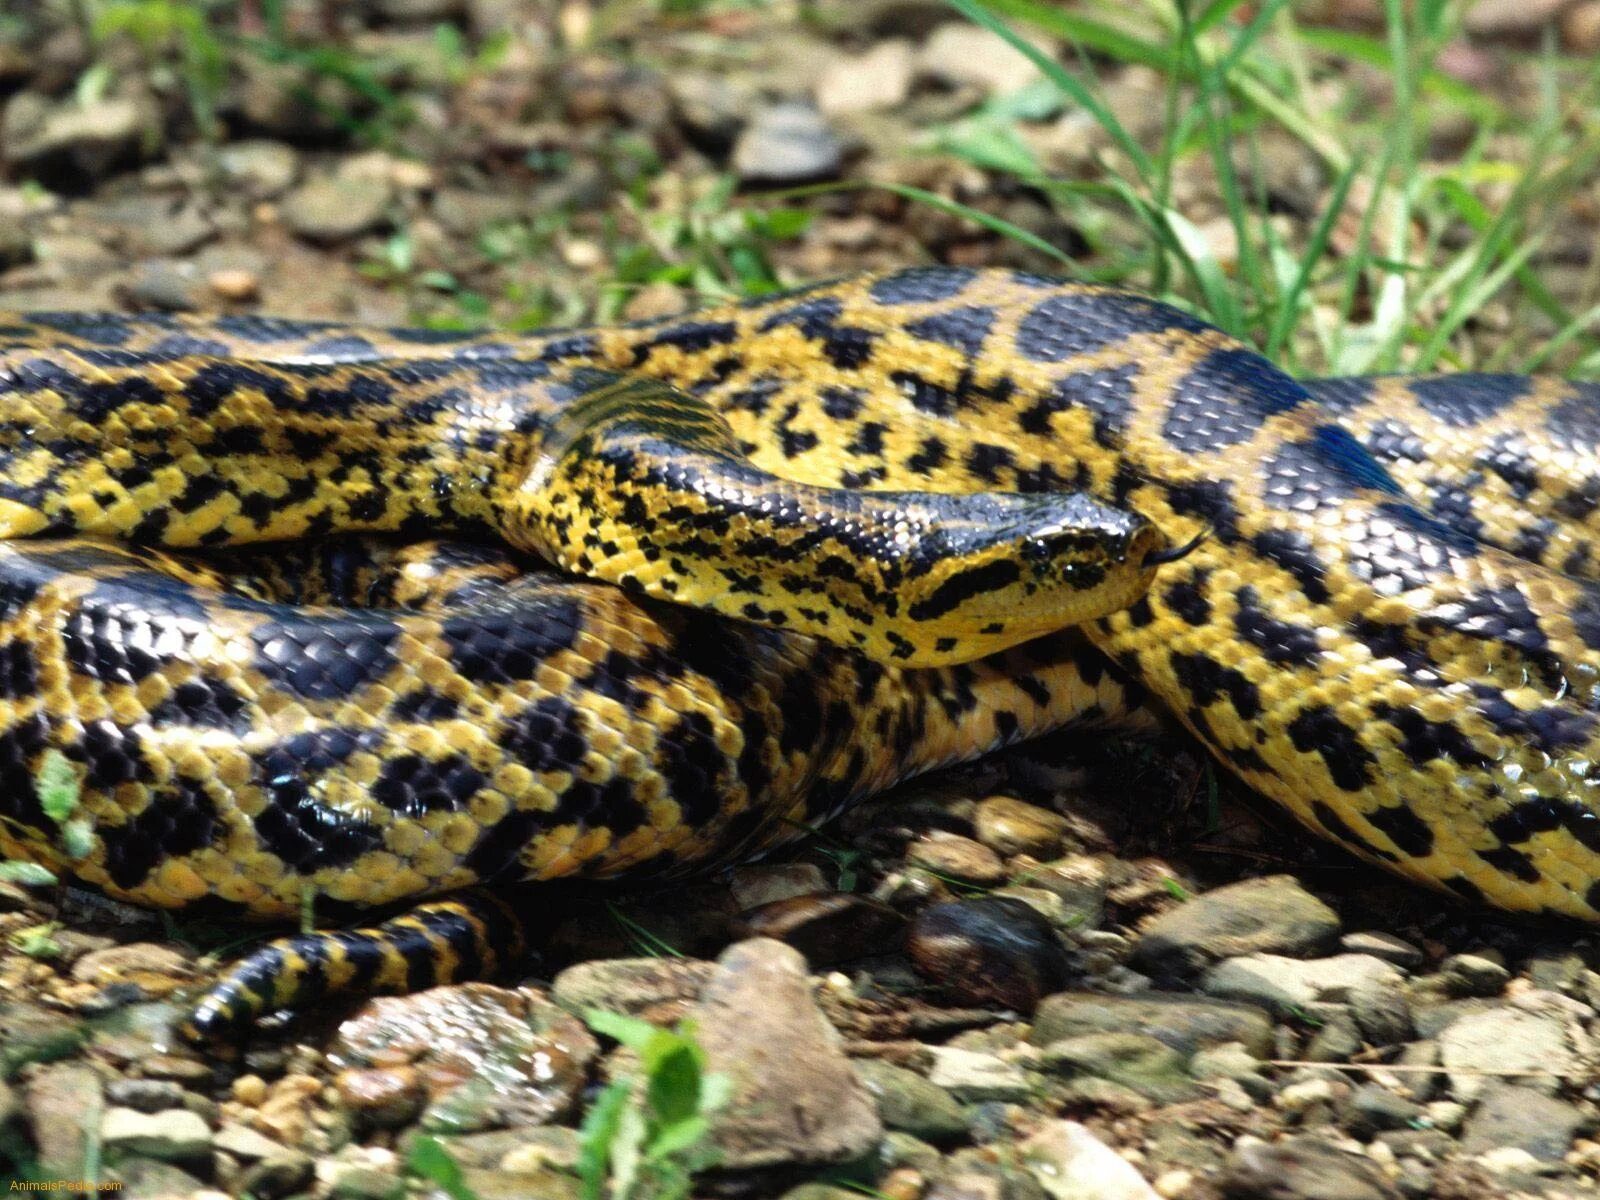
(1003, 568)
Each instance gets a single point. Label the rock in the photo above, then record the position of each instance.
(259, 168)
(959, 53)
(974, 1077)
(1371, 1109)
(145, 1095)
(1338, 1039)
(75, 144)
(382, 1097)
(1382, 945)
(1149, 1067)
(1523, 1117)
(955, 857)
(169, 285)
(659, 990)
(1232, 1061)
(149, 1179)
(1505, 1039)
(1009, 827)
(245, 1143)
(1186, 1023)
(992, 950)
(277, 1176)
(878, 79)
(487, 1056)
(1080, 882)
(330, 209)
(764, 883)
(787, 144)
(911, 1103)
(1302, 1168)
(237, 285)
(1512, 20)
(1273, 915)
(713, 108)
(1285, 984)
(1070, 1163)
(495, 1184)
(1381, 1013)
(61, 1102)
(1580, 28)
(172, 1135)
(795, 1098)
(1473, 975)
(828, 928)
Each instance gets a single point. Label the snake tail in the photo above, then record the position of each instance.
(472, 935)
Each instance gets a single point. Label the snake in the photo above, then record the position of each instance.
(391, 619)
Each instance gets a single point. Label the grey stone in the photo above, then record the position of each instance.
(1070, 1163)
(1135, 1060)
(1274, 915)
(1473, 975)
(785, 144)
(62, 1101)
(81, 142)
(171, 285)
(171, 1135)
(960, 54)
(1289, 984)
(1370, 1109)
(261, 169)
(1508, 1115)
(1506, 1039)
(657, 989)
(795, 1098)
(1337, 1040)
(1302, 1168)
(1186, 1023)
(1382, 945)
(146, 1095)
(973, 1077)
(330, 208)
(877, 79)
(910, 1102)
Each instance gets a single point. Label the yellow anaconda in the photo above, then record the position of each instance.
(867, 495)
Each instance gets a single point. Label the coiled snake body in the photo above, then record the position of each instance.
(873, 500)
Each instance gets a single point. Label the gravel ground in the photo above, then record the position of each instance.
(1078, 971)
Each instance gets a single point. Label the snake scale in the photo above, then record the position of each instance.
(906, 518)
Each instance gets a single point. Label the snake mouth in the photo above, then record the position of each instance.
(1172, 554)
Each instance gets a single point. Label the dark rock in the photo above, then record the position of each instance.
(828, 928)
(989, 951)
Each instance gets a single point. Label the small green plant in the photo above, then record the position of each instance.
(177, 34)
(644, 1140)
(430, 1161)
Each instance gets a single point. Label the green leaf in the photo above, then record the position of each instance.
(632, 1032)
(429, 1159)
(990, 144)
(673, 1090)
(596, 1135)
